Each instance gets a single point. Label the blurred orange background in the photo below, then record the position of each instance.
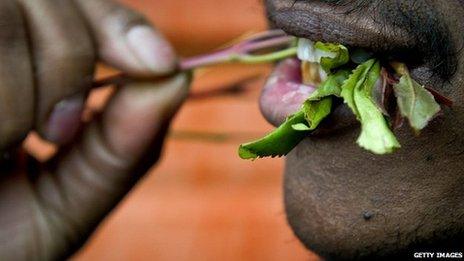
(202, 202)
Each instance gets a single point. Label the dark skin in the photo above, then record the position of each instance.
(49, 51)
(343, 202)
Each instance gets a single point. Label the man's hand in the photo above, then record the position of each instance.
(48, 53)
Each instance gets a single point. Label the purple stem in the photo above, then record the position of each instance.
(259, 42)
(249, 47)
(265, 35)
(241, 48)
(205, 60)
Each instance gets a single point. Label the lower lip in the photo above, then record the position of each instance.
(283, 94)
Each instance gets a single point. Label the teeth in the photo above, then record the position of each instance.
(322, 74)
(311, 57)
(307, 51)
(312, 73)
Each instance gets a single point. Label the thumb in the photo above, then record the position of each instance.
(113, 153)
(126, 40)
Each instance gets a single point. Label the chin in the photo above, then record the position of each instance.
(366, 208)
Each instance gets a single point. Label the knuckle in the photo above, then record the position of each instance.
(67, 57)
(68, 45)
(68, 54)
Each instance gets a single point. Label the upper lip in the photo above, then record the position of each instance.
(430, 65)
(322, 22)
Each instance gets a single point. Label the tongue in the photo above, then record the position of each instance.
(283, 93)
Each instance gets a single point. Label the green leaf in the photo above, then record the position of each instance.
(356, 79)
(335, 56)
(263, 58)
(316, 111)
(301, 127)
(277, 143)
(376, 135)
(319, 105)
(331, 86)
(416, 103)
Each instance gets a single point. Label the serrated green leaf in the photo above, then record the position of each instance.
(416, 103)
(329, 62)
(331, 86)
(375, 135)
(277, 143)
(316, 111)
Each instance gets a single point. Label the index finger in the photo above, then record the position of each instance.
(126, 40)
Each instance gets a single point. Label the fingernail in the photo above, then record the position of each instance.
(151, 49)
(65, 119)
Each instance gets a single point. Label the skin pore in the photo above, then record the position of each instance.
(344, 202)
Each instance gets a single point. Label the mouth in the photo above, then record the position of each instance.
(289, 86)
(286, 88)
(295, 79)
